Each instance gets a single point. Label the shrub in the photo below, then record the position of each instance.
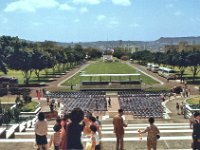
(3, 91)
(125, 58)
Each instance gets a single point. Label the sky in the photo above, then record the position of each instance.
(99, 20)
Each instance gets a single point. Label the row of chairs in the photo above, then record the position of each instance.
(75, 94)
(142, 106)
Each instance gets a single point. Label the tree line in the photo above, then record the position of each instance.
(30, 57)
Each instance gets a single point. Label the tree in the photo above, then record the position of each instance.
(21, 59)
(194, 61)
(180, 60)
(93, 53)
(39, 62)
(118, 53)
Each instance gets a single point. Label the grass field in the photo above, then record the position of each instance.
(109, 68)
(194, 100)
(7, 99)
(33, 79)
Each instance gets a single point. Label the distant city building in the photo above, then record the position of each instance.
(133, 48)
(182, 46)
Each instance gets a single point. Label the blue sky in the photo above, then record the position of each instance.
(99, 20)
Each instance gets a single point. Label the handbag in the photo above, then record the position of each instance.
(157, 136)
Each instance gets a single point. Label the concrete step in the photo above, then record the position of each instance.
(24, 144)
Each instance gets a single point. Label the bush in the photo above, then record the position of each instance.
(27, 99)
(3, 91)
(125, 58)
(14, 91)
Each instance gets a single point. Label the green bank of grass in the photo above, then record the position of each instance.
(30, 107)
(194, 100)
(109, 68)
(7, 99)
(33, 79)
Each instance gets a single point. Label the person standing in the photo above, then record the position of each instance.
(94, 138)
(109, 102)
(119, 125)
(64, 126)
(99, 122)
(74, 130)
(55, 139)
(152, 134)
(196, 132)
(41, 128)
(182, 107)
(177, 108)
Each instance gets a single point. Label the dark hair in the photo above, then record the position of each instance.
(57, 128)
(93, 128)
(97, 117)
(93, 119)
(120, 110)
(65, 117)
(41, 116)
(196, 113)
(77, 115)
(58, 120)
(151, 120)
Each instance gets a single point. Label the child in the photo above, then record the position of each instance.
(56, 137)
(95, 142)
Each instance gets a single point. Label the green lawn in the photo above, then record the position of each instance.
(194, 100)
(7, 99)
(30, 107)
(109, 68)
(33, 79)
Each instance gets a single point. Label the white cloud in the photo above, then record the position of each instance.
(101, 17)
(30, 5)
(122, 2)
(83, 10)
(66, 7)
(178, 13)
(90, 2)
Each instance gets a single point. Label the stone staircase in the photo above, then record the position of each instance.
(173, 136)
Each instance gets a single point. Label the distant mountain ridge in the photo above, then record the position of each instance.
(175, 40)
(157, 45)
